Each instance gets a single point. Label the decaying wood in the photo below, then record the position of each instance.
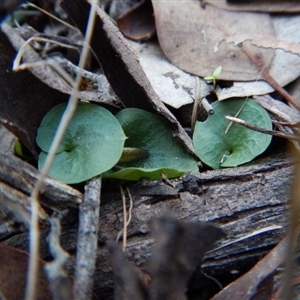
(89, 211)
(250, 203)
(22, 176)
(17, 179)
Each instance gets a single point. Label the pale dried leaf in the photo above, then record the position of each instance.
(279, 109)
(258, 5)
(174, 86)
(285, 67)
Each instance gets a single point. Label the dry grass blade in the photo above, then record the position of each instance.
(126, 220)
(34, 226)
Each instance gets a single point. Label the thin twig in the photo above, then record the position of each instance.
(262, 130)
(87, 241)
(71, 107)
(207, 106)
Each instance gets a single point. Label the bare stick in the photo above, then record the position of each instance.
(34, 228)
(207, 106)
(262, 130)
(89, 211)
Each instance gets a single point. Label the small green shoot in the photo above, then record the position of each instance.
(18, 149)
(214, 76)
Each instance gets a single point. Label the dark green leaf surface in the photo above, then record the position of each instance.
(240, 144)
(153, 134)
(92, 144)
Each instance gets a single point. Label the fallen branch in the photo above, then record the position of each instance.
(86, 254)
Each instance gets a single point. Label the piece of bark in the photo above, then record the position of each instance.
(22, 176)
(250, 203)
(17, 179)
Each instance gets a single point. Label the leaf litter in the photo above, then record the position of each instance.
(267, 57)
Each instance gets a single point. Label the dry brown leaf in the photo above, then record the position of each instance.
(246, 286)
(258, 5)
(189, 36)
(13, 275)
(138, 23)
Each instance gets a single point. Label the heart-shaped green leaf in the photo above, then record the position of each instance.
(92, 144)
(152, 133)
(239, 145)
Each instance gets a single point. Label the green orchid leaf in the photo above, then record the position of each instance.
(153, 134)
(92, 144)
(220, 145)
(136, 174)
